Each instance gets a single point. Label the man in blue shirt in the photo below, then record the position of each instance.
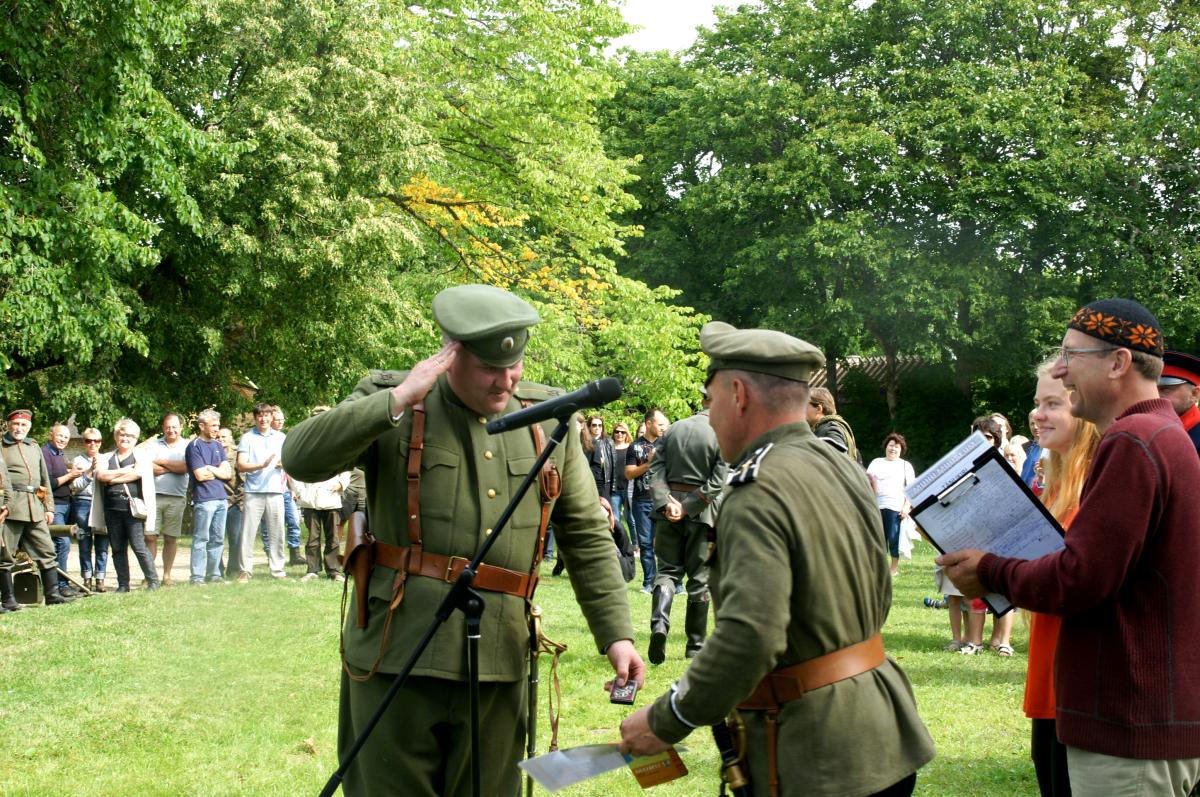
(208, 466)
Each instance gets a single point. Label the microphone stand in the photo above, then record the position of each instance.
(465, 599)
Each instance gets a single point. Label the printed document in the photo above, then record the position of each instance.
(972, 498)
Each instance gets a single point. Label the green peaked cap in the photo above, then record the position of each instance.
(762, 351)
(491, 323)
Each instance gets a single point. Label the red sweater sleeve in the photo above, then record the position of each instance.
(1121, 501)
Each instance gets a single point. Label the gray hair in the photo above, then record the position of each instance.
(1147, 365)
(127, 425)
(208, 416)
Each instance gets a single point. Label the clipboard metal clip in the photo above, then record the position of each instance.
(960, 488)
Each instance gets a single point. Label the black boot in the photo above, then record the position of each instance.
(294, 557)
(50, 588)
(660, 622)
(696, 625)
(7, 602)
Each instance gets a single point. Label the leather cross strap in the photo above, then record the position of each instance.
(415, 560)
(790, 683)
(364, 552)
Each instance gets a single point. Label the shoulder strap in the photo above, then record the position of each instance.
(416, 445)
(549, 487)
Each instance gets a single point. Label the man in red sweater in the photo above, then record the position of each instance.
(1126, 677)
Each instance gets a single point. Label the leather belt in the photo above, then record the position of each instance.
(24, 488)
(447, 568)
(683, 487)
(790, 683)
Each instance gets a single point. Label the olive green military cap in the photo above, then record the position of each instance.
(491, 323)
(762, 351)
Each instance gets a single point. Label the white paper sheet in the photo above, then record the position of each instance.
(562, 768)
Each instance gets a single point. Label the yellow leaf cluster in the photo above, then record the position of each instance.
(463, 224)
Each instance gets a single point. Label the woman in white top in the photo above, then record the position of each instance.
(125, 474)
(890, 474)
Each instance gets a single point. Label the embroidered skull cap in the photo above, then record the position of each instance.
(1120, 322)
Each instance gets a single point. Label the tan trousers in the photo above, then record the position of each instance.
(1099, 775)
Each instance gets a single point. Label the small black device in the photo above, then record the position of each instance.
(623, 694)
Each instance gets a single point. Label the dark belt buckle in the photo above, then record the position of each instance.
(450, 566)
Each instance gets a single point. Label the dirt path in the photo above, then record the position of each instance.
(181, 571)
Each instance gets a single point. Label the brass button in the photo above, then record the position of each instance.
(482, 419)
(487, 532)
(412, 517)
(491, 493)
(487, 454)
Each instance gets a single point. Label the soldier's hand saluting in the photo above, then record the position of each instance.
(420, 379)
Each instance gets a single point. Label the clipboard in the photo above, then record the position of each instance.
(972, 498)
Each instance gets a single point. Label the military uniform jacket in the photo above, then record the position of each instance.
(25, 465)
(688, 454)
(467, 478)
(801, 570)
(4, 491)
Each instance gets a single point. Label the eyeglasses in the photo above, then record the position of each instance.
(620, 431)
(89, 442)
(596, 423)
(1065, 354)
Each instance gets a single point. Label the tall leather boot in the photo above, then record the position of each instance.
(50, 588)
(660, 622)
(696, 626)
(7, 601)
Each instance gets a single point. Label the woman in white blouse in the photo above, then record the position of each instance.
(890, 474)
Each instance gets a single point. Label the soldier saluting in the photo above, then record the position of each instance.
(30, 510)
(436, 481)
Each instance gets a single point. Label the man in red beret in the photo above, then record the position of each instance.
(1180, 385)
(30, 510)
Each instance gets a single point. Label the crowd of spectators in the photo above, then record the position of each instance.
(129, 494)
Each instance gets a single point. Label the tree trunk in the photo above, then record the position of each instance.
(831, 374)
(890, 378)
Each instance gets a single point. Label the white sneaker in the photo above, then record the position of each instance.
(308, 576)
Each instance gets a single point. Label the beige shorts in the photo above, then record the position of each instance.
(168, 515)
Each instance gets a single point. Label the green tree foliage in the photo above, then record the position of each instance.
(89, 169)
(321, 169)
(948, 179)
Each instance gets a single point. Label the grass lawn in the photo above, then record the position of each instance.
(232, 690)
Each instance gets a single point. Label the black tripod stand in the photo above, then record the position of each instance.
(464, 598)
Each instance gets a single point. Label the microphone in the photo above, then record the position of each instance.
(593, 394)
